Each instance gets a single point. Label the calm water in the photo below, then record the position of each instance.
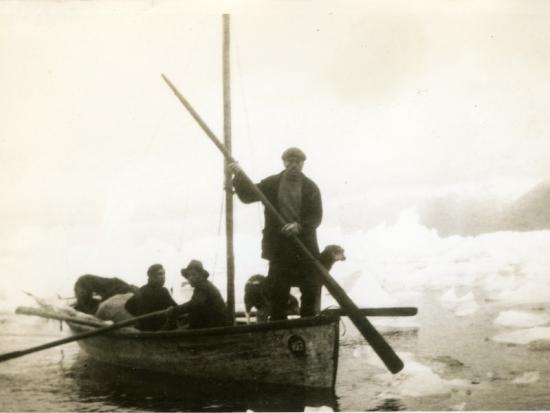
(454, 355)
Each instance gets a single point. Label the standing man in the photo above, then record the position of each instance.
(298, 199)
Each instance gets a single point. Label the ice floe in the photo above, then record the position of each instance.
(513, 318)
(417, 380)
(527, 378)
(318, 409)
(524, 335)
(458, 407)
(461, 305)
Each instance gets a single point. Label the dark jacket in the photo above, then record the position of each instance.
(276, 246)
(148, 299)
(206, 307)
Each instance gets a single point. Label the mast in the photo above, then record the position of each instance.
(228, 177)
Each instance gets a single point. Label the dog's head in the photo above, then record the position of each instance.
(335, 252)
(257, 279)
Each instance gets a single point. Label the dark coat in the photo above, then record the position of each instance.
(148, 299)
(275, 245)
(206, 308)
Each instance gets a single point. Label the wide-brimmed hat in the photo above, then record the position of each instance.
(194, 265)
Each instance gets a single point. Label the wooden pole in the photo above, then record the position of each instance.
(230, 255)
(367, 330)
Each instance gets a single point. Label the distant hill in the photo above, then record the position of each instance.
(531, 211)
(454, 214)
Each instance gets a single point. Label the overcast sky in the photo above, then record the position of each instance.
(103, 171)
(384, 97)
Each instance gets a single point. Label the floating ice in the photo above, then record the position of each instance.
(527, 377)
(449, 298)
(318, 409)
(514, 318)
(461, 305)
(524, 335)
(418, 380)
(466, 306)
(365, 290)
(459, 406)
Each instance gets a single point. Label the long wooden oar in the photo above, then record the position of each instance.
(81, 336)
(371, 312)
(376, 341)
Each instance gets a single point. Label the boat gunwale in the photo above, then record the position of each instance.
(322, 319)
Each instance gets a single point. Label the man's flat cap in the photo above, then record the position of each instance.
(294, 152)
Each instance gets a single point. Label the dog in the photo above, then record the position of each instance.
(256, 291)
(256, 295)
(331, 254)
(88, 287)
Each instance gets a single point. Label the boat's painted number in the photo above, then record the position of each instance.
(297, 345)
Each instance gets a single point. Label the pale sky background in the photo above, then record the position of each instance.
(387, 98)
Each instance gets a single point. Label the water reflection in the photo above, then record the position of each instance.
(126, 388)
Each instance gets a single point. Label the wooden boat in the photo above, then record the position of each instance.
(299, 352)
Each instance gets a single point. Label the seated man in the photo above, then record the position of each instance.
(89, 285)
(151, 297)
(206, 307)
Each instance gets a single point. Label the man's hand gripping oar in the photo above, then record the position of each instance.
(373, 337)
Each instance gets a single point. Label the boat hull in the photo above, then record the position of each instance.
(301, 352)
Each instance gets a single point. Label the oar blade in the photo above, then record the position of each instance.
(378, 344)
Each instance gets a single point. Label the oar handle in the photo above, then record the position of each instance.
(366, 312)
(377, 311)
(376, 341)
(81, 336)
